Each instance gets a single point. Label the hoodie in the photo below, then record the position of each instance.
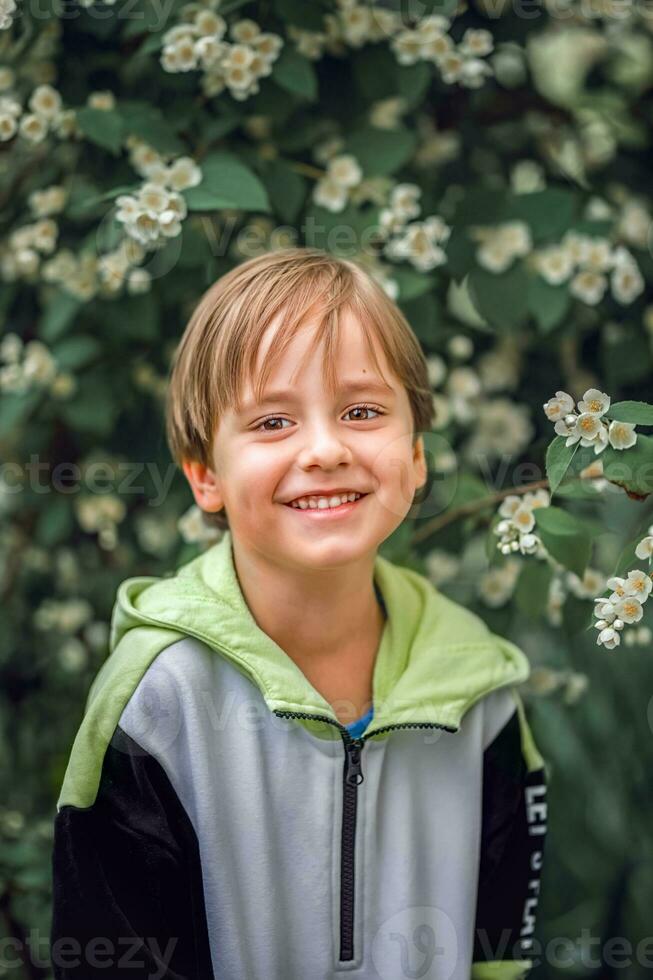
(216, 820)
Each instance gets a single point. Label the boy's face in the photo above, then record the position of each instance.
(316, 442)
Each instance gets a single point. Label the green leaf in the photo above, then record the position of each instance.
(631, 468)
(617, 371)
(579, 490)
(548, 304)
(55, 522)
(104, 127)
(627, 558)
(296, 74)
(374, 68)
(58, 316)
(227, 183)
(532, 589)
(563, 537)
(558, 458)
(74, 352)
(15, 409)
(411, 282)
(548, 213)
(576, 615)
(381, 151)
(84, 204)
(134, 318)
(413, 82)
(148, 123)
(639, 413)
(460, 306)
(502, 300)
(479, 206)
(92, 408)
(423, 314)
(286, 188)
(307, 16)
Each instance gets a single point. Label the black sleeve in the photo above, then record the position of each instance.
(512, 849)
(128, 900)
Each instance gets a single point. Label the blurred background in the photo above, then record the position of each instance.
(487, 162)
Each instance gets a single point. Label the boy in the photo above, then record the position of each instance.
(300, 760)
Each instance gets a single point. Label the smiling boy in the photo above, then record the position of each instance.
(301, 759)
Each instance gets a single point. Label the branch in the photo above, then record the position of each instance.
(431, 527)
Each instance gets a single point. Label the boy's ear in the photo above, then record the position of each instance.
(419, 460)
(204, 484)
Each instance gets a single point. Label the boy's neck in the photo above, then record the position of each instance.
(330, 626)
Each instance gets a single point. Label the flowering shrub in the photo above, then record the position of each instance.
(489, 168)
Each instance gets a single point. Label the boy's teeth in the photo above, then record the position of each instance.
(321, 503)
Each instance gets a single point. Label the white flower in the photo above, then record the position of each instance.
(437, 369)
(52, 200)
(208, 22)
(638, 583)
(503, 427)
(609, 638)
(183, 173)
(558, 407)
(473, 72)
(645, 547)
(526, 175)
(404, 200)
(101, 100)
(330, 195)
(594, 402)
(529, 544)
(523, 518)
(629, 609)
(344, 170)
(8, 127)
(597, 255)
(627, 282)
(592, 583)
(45, 101)
(555, 264)
(476, 42)
(386, 113)
(128, 208)
(33, 127)
(634, 223)
(442, 412)
(501, 244)
(442, 566)
(194, 530)
(605, 610)
(497, 585)
(407, 47)
(588, 286)
(460, 347)
(622, 435)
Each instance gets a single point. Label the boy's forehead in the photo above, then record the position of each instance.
(354, 367)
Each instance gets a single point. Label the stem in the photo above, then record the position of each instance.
(307, 169)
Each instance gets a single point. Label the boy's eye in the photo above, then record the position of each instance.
(278, 418)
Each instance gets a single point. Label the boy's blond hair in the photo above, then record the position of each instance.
(217, 352)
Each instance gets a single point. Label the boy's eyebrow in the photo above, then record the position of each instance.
(290, 395)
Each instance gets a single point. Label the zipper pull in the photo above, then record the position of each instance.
(353, 775)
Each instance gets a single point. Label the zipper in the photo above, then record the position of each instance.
(352, 778)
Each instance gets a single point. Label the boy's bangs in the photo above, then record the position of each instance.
(330, 309)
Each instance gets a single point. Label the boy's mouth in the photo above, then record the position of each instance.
(310, 507)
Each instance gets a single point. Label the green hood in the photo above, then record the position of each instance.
(436, 658)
